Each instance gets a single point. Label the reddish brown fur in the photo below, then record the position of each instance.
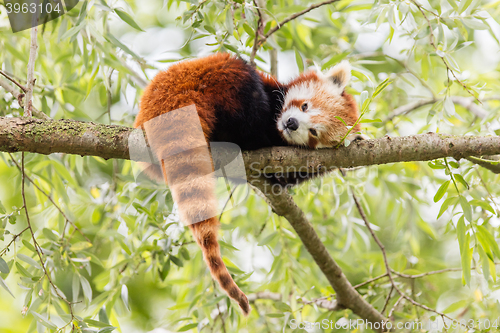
(207, 82)
(180, 86)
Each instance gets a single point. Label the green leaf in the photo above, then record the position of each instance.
(4, 268)
(107, 329)
(210, 29)
(381, 87)
(449, 107)
(127, 19)
(75, 287)
(342, 120)
(164, 270)
(4, 286)
(474, 24)
(446, 204)
(441, 191)
(274, 315)
(461, 230)
(333, 60)
(466, 208)
(300, 62)
(71, 32)
(465, 253)
(464, 4)
(187, 327)
(483, 204)
(124, 296)
(184, 253)
(80, 246)
(482, 231)
(103, 316)
(50, 235)
(456, 306)
(96, 323)
(43, 321)
(283, 307)
(87, 289)
(461, 180)
(228, 246)
(365, 121)
(268, 239)
(29, 260)
(248, 29)
(29, 245)
(22, 270)
(485, 265)
(176, 261)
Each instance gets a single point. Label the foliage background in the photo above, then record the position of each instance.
(139, 270)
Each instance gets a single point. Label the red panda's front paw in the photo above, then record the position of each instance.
(358, 136)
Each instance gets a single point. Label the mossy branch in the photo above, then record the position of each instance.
(108, 141)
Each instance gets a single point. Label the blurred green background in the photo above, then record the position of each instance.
(135, 266)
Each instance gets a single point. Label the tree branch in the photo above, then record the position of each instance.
(110, 141)
(347, 297)
(293, 17)
(260, 39)
(492, 165)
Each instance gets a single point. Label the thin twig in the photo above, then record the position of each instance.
(386, 262)
(258, 32)
(370, 281)
(227, 201)
(12, 241)
(30, 82)
(220, 313)
(52, 201)
(465, 102)
(23, 88)
(389, 295)
(394, 307)
(487, 190)
(260, 40)
(293, 17)
(433, 43)
(321, 302)
(38, 248)
(19, 96)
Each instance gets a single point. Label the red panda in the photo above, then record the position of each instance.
(238, 104)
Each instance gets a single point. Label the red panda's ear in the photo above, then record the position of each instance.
(340, 74)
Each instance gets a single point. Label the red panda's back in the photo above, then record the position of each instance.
(205, 82)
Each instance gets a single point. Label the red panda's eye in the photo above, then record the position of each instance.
(304, 107)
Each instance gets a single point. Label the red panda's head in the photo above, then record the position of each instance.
(313, 102)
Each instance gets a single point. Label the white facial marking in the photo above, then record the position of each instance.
(299, 92)
(301, 135)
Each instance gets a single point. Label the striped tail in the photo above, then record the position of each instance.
(205, 234)
(195, 197)
(187, 166)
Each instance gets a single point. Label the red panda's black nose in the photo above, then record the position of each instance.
(292, 124)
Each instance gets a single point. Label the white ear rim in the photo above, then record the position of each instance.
(340, 74)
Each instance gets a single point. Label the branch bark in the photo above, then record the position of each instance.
(347, 297)
(111, 141)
